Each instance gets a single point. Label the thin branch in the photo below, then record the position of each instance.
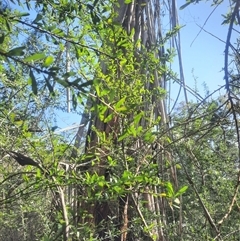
(208, 215)
(205, 22)
(228, 44)
(62, 38)
(179, 50)
(141, 216)
(232, 202)
(234, 14)
(202, 29)
(27, 64)
(15, 174)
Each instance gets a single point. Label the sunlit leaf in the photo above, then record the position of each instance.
(38, 174)
(137, 118)
(170, 191)
(101, 112)
(109, 117)
(181, 191)
(163, 194)
(120, 102)
(97, 89)
(123, 136)
(25, 177)
(178, 166)
(35, 57)
(48, 61)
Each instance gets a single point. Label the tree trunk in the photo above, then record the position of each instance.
(144, 18)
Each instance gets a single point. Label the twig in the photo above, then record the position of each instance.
(228, 44)
(141, 215)
(232, 202)
(205, 23)
(62, 38)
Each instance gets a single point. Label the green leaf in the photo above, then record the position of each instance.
(37, 19)
(149, 137)
(132, 130)
(77, 51)
(95, 18)
(38, 174)
(58, 32)
(62, 82)
(137, 118)
(8, 25)
(74, 101)
(185, 5)
(101, 183)
(16, 51)
(48, 61)
(28, 6)
(123, 136)
(85, 84)
(23, 14)
(108, 118)
(2, 38)
(33, 82)
(122, 109)
(126, 175)
(69, 74)
(53, 69)
(35, 57)
(178, 166)
(120, 102)
(25, 177)
(50, 88)
(101, 111)
(119, 107)
(95, 2)
(181, 191)
(127, 1)
(170, 191)
(97, 90)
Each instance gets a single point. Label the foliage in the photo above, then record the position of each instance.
(140, 173)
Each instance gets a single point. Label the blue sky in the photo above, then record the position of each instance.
(203, 55)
